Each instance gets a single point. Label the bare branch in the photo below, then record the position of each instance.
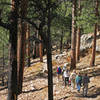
(5, 3)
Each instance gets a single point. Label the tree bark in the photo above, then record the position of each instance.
(78, 35)
(61, 42)
(49, 56)
(41, 49)
(12, 77)
(28, 44)
(18, 48)
(78, 45)
(94, 47)
(37, 44)
(23, 29)
(22, 57)
(33, 52)
(3, 64)
(73, 37)
(92, 63)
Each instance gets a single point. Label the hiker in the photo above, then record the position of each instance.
(78, 82)
(63, 69)
(66, 77)
(85, 81)
(58, 72)
(80, 79)
(72, 79)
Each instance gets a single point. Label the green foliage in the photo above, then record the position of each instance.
(61, 22)
(61, 12)
(5, 6)
(4, 40)
(87, 17)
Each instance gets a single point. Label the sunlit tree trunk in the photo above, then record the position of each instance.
(18, 48)
(95, 33)
(28, 44)
(73, 36)
(23, 29)
(78, 36)
(12, 77)
(41, 50)
(78, 45)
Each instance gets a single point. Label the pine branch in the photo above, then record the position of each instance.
(5, 25)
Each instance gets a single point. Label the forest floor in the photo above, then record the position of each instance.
(35, 81)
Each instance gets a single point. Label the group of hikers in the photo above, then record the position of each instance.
(73, 79)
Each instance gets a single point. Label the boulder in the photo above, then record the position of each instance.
(86, 41)
(98, 48)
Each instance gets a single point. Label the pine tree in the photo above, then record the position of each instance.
(28, 44)
(95, 33)
(12, 81)
(49, 55)
(23, 30)
(78, 34)
(41, 50)
(73, 37)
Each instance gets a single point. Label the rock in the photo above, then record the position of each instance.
(98, 56)
(57, 92)
(98, 48)
(45, 66)
(86, 41)
(46, 99)
(92, 79)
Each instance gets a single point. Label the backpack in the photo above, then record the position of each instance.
(78, 79)
(86, 80)
(59, 70)
(73, 76)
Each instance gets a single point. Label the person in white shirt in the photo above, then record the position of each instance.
(66, 77)
(63, 69)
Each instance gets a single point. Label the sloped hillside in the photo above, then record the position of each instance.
(35, 80)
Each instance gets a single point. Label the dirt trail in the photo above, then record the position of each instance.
(35, 83)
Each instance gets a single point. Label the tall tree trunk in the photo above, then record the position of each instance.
(23, 29)
(78, 35)
(49, 56)
(94, 47)
(18, 48)
(33, 52)
(61, 42)
(12, 77)
(37, 44)
(3, 64)
(22, 57)
(78, 45)
(28, 44)
(95, 33)
(41, 50)
(73, 37)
